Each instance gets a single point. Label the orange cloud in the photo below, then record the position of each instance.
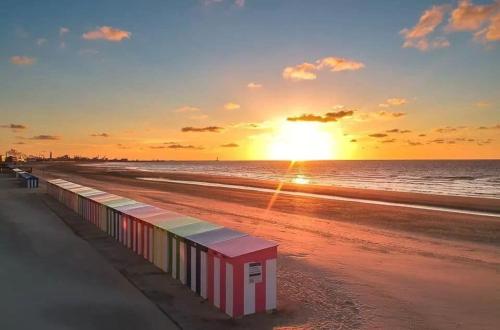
(395, 101)
(482, 104)
(327, 118)
(14, 127)
(417, 37)
(107, 33)
(336, 64)
(100, 135)
(427, 23)
(230, 145)
(378, 135)
(253, 85)
(213, 129)
(22, 60)
(470, 17)
(304, 71)
(391, 114)
(187, 108)
(231, 106)
(307, 71)
(491, 32)
(45, 137)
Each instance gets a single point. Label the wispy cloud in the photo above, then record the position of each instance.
(483, 20)
(45, 137)
(41, 41)
(100, 135)
(394, 101)
(482, 104)
(336, 64)
(308, 71)
(378, 135)
(304, 71)
(497, 126)
(22, 60)
(391, 114)
(469, 17)
(491, 32)
(397, 130)
(212, 129)
(237, 3)
(187, 109)
(231, 106)
(14, 127)
(182, 146)
(417, 36)
(230, 145)
(449, 129)
(254, 85)
(63, 30)
(107, 33)
(326, 118)
(176, 146)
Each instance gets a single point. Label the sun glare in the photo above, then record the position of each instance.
(302, 141)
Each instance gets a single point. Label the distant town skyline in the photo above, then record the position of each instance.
(254, 79)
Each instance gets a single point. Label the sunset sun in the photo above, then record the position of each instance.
(302, 141)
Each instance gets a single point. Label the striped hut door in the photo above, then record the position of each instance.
(216, 282)
(188, 264)
(164, 251)
(134, 236)
(151, 241)
(129, 232)
(182, 261)
(249, 288)
(229, 289)
(139, 238)
(202, 278)
(116, 224)
(174, 257)
(144, 241)
(271, 284)
(193, 268)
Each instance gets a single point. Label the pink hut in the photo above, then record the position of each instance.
(242, 275)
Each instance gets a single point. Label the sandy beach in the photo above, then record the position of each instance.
(343, 264)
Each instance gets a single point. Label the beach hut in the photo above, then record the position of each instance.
(242, 275)
(197, 274)
(28, 180)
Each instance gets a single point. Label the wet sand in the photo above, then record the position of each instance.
(344, 264)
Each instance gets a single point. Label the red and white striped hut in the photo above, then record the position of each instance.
(242, 275)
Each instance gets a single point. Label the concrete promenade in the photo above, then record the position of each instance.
(52, 279)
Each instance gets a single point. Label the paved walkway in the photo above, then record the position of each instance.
(52, 279)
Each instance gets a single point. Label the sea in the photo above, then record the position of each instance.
(471, 178)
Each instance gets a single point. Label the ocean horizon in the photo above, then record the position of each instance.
(468, 178)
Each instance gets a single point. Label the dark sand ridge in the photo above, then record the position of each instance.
(345, 264)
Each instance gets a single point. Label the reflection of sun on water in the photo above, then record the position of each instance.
(300, 179)
(302, 141)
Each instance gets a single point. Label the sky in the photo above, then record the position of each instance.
(254, 79)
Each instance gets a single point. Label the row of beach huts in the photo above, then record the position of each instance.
(234, 271)
(26, 179)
